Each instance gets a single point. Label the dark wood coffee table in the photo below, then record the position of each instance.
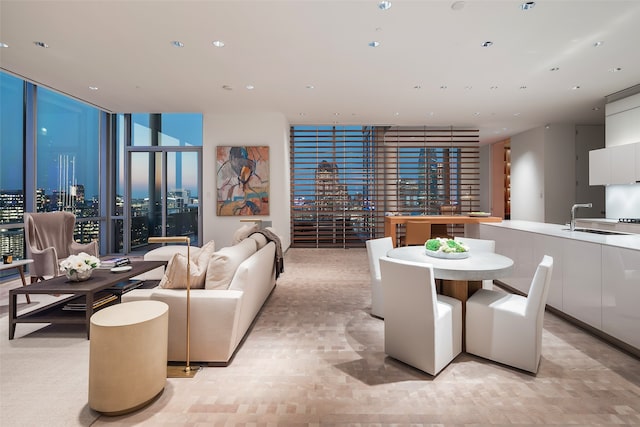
(89, 292)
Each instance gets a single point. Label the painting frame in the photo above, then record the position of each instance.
(242, 180)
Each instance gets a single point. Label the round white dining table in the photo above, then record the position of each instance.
(477, 266)
(460, 278)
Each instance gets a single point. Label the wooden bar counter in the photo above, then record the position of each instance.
(391, 222)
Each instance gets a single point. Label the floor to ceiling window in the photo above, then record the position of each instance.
(346, 179)
(160, 164)
(11, 169)
(67, 159)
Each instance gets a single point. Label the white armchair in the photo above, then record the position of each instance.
(507, 328)
(377, 248)
(421, 329)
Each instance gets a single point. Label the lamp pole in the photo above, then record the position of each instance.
(187, 371)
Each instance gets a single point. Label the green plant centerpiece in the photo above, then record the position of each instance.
(446, 248)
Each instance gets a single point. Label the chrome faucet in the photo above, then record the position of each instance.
(572, 224)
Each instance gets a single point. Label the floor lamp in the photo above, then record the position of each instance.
(181, 371)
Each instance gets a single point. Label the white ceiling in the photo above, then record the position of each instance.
(282, 47)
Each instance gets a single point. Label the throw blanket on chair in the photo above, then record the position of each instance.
(279, 260)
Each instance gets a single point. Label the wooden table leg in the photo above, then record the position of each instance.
(458, 289)
(24, 282)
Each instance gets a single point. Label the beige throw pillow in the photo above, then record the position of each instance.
(223, 263)
(260, 240)
(175, 276)
(244, 232)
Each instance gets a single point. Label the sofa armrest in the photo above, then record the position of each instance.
(214, 318)
(137, 295)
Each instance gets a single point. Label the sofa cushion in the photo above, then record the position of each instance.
(261, 240)
(244, 232)
(223, 263)
(176, 272)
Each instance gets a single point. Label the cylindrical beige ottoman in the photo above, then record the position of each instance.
(128, 356)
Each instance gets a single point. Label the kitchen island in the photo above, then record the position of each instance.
(595, 280)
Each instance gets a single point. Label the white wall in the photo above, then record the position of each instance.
(270, 129)
(543, 174)
(559, 172)
(485, 178)
(588, 137)
(527, 175)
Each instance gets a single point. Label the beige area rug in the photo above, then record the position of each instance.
(315, 357)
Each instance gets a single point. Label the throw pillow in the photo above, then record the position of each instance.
(223, 263)
(244, 232)
(261, 241)
(175, 276)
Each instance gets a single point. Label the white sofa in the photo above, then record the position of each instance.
(220, 318)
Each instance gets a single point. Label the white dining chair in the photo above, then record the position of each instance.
(421, 329)
(377, 248)
(480, 245)
(507, 328)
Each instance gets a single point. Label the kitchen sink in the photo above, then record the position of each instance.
(595, 231)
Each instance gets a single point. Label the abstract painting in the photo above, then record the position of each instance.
(242, 180)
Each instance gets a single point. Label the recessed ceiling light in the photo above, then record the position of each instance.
(177, 43)
(250, 87)
(468, 87)
(3, 44)
(227, 87)
(477, 113)
(598, 43)
(310, 87)
(516, 114)
(615, 69)
(527, 5)
(384, 5)
(554, 69)
(374, 44)
(301, 114)
(396, 114)
(487, 44)
(41, 44)
(93, 87)
(458, 5)
(218, 43)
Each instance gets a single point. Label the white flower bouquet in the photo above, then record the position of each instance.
(79, 267)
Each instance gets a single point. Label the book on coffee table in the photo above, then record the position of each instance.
(125, 285)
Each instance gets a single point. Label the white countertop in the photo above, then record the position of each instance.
(628, 241)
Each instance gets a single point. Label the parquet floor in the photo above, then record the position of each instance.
(315, 357)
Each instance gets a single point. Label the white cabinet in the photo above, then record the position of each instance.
(615, 165)
(554, 247)
(621, 294)
(510, 243)
(600, 167)
(637, 162)
(582, 282)
(623, 164)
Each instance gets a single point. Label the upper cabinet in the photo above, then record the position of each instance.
(600, 167)
(615, 165)
(623, 164)
(637, 162)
